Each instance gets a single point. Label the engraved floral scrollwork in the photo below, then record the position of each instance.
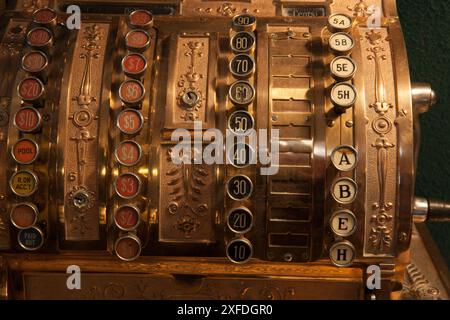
(13, 42)
(4, 115)
(188, 82)
(29, 6)
(92, 34)
(361, 9)
(3, 228)
(381, 234)
(81, 200)
(186, 182)
(381, 106)
(417, 286)
(227, 9)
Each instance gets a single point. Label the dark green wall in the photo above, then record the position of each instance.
(426, 24)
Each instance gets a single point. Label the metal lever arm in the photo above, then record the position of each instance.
(431, 210)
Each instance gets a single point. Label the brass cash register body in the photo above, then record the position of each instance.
(87, 178)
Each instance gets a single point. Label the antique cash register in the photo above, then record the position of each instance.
(92, 94)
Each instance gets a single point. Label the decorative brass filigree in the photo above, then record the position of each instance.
(186, 182)
(79, 197)
(92, 35)
(417, 286)
(81, 200)
(227, 9)
(361, 9)
(189, 80)
(381, 236)
(29, 6)
(84, 117)
(3, 228)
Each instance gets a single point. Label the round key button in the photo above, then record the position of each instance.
(138, 40)
(243, 42)
(343, 68)
(343, 223)
(128, 248)
(241, 93)
(128, 153)
(240, 220)
(24, 183)
(343, 96)
(339, 22)
(140, 19)
(27, 120)
(24, 215)
(242, 66)
(344, 190)
(39, 37)
(342, 254)
(239, 187)
(31, 239)
(134, 64)
(341, 43)
(241, 155)
(241, 123)
(344, 158)
(30, 89)
(127, 185)
(130, 121)
(45, 16)
(239, 250)
(34, 62)
(244, 22)
(127, 218)
(25, 151)
(132, 92)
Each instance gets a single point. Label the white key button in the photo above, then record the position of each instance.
(343, 96)
(344, 190)
(341, 43)
(344, 158)
(343, 68)
(343, 223)
(339, 22)
(342, 254)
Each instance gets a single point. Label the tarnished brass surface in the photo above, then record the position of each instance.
(108, 189)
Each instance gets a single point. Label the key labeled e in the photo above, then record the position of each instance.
(74, 280)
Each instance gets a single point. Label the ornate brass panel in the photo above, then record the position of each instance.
(82, 103)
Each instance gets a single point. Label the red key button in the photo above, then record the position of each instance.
(44, 16)
(132, 92)
(130, 121)
(127, 185)
(27, 119)
(30, 89)
(141, 19)
(137, 40)
(128, 247)
(24, 215)
(25, 151)
(39, 37)
(34, 61)
(128, 153)
(134, 64)
(127, 218)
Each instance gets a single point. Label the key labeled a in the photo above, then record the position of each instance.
(344, 158)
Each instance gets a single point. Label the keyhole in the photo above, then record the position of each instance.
(190, 98)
